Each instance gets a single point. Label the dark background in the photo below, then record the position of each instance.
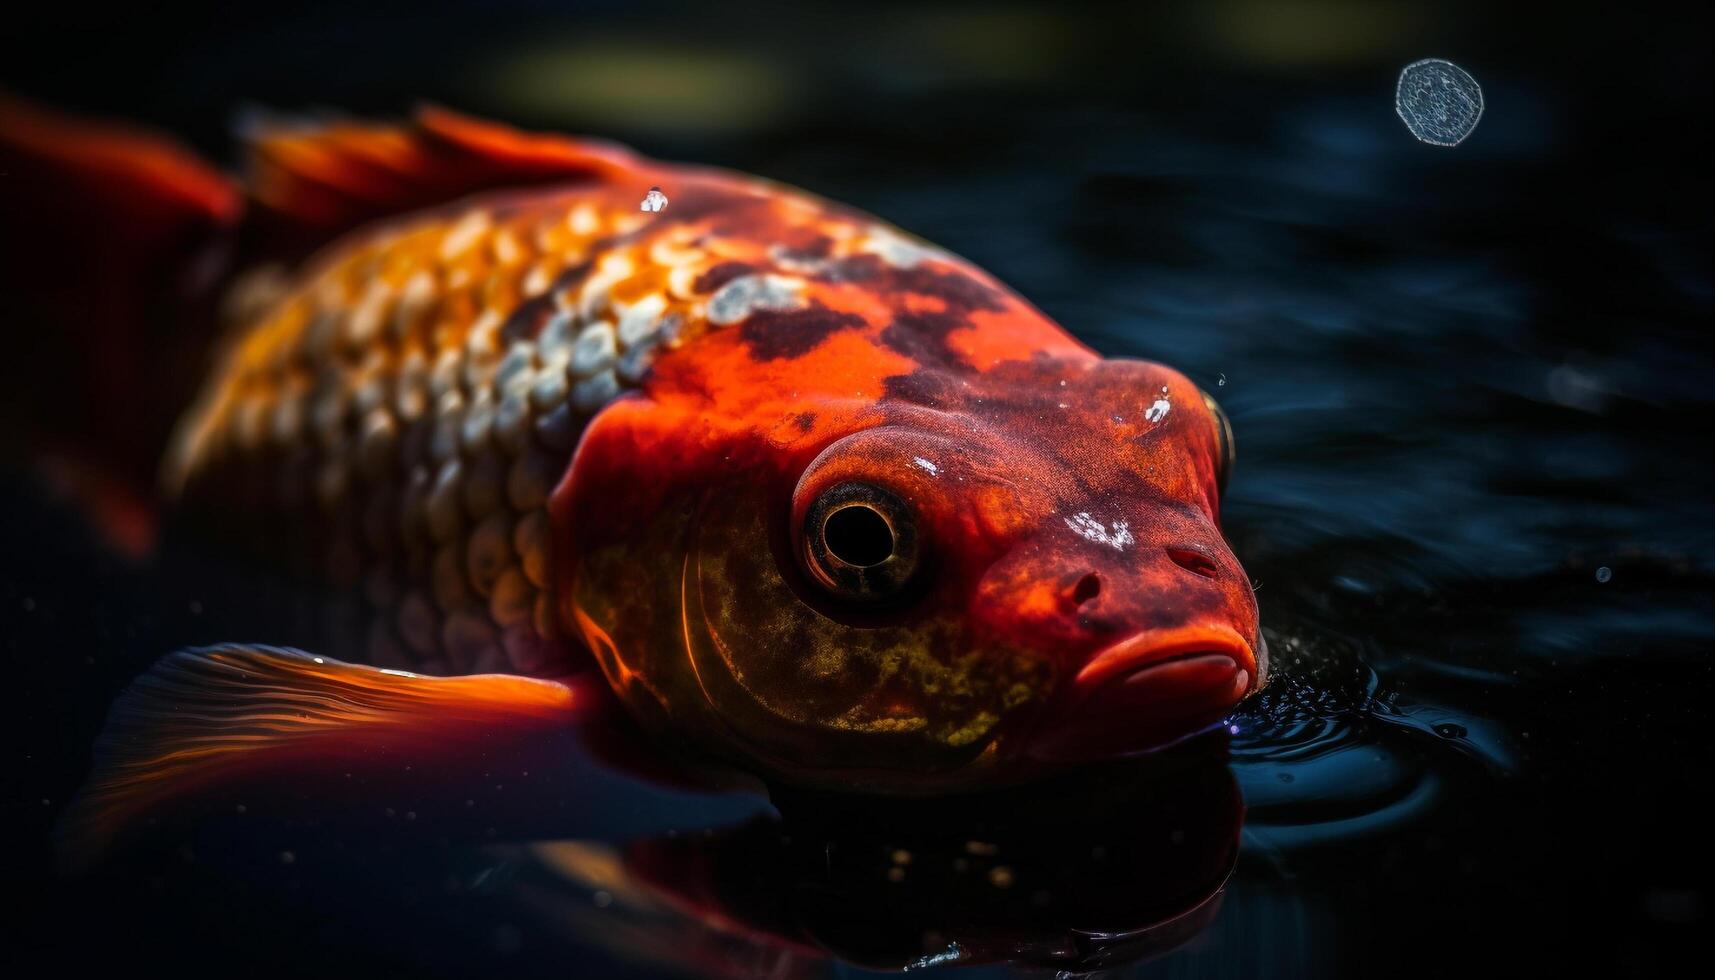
(1462, 381)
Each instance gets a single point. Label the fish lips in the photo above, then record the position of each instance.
(1146, 691)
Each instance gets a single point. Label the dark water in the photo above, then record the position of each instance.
(1470, 389)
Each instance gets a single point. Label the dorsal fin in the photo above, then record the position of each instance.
(312, 180)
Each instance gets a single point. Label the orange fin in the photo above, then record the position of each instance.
(213, 721)
(314, 179)
(113, 166)
(111, 231)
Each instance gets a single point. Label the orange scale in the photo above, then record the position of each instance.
(500, 290)
(649, 281)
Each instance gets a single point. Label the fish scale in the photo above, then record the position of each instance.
(414, 398)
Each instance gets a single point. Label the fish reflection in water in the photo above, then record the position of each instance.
(596, 843)
(579, 849)
(1109, 867)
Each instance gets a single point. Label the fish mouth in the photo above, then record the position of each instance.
(1155, 648)
(1148, 690)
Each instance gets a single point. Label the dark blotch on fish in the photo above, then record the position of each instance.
(776, 334)
(720, 275)
(922, 336)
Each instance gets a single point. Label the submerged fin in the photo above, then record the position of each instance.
(314, 179)
(215, 719)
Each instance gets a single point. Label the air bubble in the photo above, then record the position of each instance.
(1439, 101)
(1604, 573)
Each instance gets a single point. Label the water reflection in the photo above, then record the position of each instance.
(1101, 869)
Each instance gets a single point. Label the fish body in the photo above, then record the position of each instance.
(813, 495)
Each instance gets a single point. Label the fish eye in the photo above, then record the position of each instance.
(1224, 441)
(860, 541)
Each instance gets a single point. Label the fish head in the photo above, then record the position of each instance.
(969, 580)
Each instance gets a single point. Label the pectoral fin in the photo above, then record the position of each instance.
(205, 721)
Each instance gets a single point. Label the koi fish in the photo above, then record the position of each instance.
(813, 496)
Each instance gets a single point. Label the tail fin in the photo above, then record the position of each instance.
(115, 237)
(106, 226)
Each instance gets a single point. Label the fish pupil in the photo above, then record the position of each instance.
(859, 536)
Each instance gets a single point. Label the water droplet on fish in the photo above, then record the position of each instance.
(1438, 101)
(1604, 573)
(653, 201)
(1158, 411)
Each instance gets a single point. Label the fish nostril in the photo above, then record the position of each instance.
(1087, 588)
(1193, 561)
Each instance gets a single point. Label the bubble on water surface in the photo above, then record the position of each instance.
(1604, 573)
(952, 954)
(1439, 101)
